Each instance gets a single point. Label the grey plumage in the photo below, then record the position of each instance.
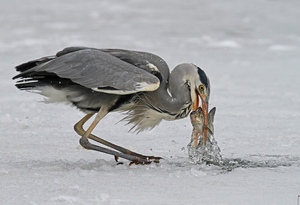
(87, 67)
(119, 80)
(105, 80)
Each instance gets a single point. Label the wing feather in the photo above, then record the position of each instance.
(100, 71)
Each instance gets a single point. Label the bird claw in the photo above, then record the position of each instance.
(155, 159)
(116, 158)
(140, 160)
(143, 162)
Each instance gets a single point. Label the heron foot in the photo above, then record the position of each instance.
(115, 150)
(154, 159)
(138, 163)
(149, 159)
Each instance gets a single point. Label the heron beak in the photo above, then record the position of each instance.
(205, 113)
(195, 104)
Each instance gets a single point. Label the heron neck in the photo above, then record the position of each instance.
(172, 97)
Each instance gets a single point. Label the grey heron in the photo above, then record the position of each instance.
(100, 81)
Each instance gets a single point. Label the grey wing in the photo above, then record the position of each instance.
(99, 71)
(144, 60)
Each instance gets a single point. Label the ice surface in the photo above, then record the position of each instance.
(250, 51)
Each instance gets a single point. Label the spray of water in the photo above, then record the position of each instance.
(198, 151)
(208, 154)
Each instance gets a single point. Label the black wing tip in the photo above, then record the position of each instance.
(25, 66)
(16, 76)
(30, 64)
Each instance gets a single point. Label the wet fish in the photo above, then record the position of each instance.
(203, 149)
(197, 120)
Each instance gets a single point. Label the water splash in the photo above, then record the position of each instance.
(205, 154)
(200, 152)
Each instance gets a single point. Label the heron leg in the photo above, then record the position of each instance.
(123, 153)
(79, 129)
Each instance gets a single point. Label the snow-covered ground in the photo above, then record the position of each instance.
(249, 49)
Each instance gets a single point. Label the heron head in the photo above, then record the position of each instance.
(202, 92)
(194, 80)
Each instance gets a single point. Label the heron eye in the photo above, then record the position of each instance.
(201, 88)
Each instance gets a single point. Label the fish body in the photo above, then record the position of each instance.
(203, 149)
(197, 120)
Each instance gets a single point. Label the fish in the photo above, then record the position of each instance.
(197, 120)
(203, 148)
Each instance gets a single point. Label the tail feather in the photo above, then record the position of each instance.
(29, 78)
(38, 79)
